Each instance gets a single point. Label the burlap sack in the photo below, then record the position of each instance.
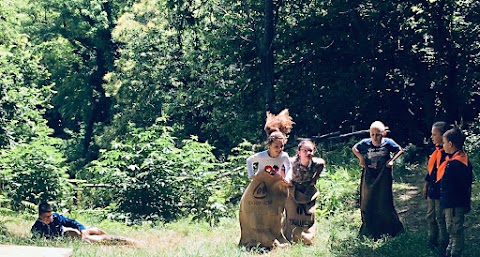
(300, 215)
(379, 216)
(261, 212)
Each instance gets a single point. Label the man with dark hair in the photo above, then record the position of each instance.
(52, 225)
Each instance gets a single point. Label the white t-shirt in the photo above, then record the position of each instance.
(263, 160)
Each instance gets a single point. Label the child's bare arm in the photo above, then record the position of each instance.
(359, 156)
(318, 170)
(391, 161)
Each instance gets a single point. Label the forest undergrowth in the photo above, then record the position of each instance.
(336, 233)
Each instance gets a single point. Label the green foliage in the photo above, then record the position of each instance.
(339, 190)
(172, 64)
(23, 99)
(34, 172)
(76, 46)
(472, 145)
(235, 179)
(31, 167)
(339, 153)
(152, 178)
(411, 154)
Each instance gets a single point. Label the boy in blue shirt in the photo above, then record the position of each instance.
(51, 225)
(455, 177)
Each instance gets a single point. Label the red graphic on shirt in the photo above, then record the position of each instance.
(272, 170)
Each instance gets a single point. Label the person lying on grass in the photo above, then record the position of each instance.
(51, 225)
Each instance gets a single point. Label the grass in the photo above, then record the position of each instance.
(336, 235)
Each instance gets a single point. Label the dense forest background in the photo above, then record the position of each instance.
(144, 101)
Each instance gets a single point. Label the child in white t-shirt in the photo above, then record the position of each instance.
(274, 160)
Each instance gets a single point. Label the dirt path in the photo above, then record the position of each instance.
(410, 204)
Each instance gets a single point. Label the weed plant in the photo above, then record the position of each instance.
(338, 222)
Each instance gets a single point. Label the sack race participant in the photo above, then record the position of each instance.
(261, 211)
(263, 202)
(300, 205)
(379, 216)
(299, 225)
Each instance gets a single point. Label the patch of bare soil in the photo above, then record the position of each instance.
(412, 207)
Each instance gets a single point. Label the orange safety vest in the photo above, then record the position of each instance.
(459, 156)
(435, 158)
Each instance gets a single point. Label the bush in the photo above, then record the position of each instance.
(339, 190)
(472, 145)
(235, 178)
(151, 178)
(339, 153)
(34, 172)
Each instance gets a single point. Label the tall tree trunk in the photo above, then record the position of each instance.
(451, 99)
(105, 50)
(267, 58)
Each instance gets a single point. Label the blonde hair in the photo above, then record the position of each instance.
(380, 126)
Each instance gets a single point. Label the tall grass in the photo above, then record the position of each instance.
(337, 231)
(336, 236)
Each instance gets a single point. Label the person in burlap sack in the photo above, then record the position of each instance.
(274, 159)
(261, 211)
(379, 216)
(301, 202)
(262, 204)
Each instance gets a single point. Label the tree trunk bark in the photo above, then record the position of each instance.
(267, 58)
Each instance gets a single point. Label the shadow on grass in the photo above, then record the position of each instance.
(411, 207)
(406, 244)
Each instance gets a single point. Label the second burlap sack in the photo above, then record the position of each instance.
(300, 215)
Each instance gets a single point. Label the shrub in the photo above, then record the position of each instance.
(34, 172)
(339, 153)
(235, 177)
(472, 145)
(151, 178)
(339, 190)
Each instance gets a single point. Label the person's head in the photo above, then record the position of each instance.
(438, 128)
(45, 212)
(305, 151)
(453, 140)
(276, 141)
(377, 132)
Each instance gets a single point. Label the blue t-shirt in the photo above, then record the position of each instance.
(377, 156)
(55, 228)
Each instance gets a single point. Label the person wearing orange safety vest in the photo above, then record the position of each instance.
(456, 177)
(437, 231)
